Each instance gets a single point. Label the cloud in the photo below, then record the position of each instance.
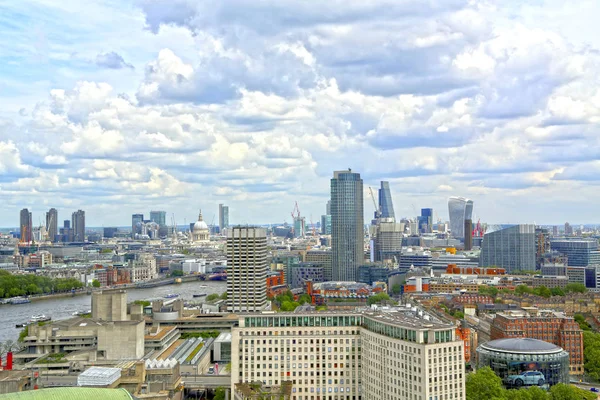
(112, 60)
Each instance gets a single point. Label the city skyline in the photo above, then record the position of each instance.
(148, 109)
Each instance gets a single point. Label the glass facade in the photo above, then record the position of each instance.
(512, 368)
(459, 210)
(580, 253)
(302, 320)
(347, 225)
(511, 247)
(385, 201)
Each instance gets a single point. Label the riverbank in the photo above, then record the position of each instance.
(126, 286)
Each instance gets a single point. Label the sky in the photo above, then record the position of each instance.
(122, 107)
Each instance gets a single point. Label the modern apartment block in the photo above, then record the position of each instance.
(347, 225)
(26, 225)
(393, 354)
(78, 224)
(223, 217)
(549, 326)
(323, 258)
(246, 269)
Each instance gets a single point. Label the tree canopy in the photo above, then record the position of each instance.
(378, 298)
(31, 284)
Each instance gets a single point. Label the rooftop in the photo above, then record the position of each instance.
(70, 393)
(521, 345)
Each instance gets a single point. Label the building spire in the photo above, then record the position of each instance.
(200, 216)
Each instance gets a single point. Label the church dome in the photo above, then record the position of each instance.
(200, 225)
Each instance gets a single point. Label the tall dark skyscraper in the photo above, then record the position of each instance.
(385, 201)
(159, 217)
(78, 223)
(26, 225)
(347, 225)
(223, 217)
(52, 225)
(426, 220)
(136, 224)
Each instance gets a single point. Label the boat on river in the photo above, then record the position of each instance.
(199, 295)
(171, 296)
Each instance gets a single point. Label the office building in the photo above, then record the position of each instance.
(468, 235)
(568, 229)
(511, 247)
(426, 220)
(385, 201)
(306, 272)
(322, 258)
(52, 225)
(299, 227)
(78, 223)
(223, 217)
(246, 269)
(66, 233)
(347, 225)
(326, 224)
(136, 224)
(370, 273)
(109, 233)
(542, 246)
(459, 209)
(513, 357)
(579, 252)
(392, 354)
(549, 326)
(26, 226)
(159, 217)
(417, 259)
(387, 244)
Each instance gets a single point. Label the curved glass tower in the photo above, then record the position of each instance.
(460, 210)
(385, 201)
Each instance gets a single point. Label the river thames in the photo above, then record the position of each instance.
(63, 308)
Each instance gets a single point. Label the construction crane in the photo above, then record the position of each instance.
(314, 229)
(377, 209)
(296, 211)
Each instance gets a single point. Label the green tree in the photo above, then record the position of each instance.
(575, 288)
(212, 297)
(96, 283)
(304, 298)
(556, 291)
(591, 355)
(459, 315)
(143, 303)
(583, 324)
(23, 334)
(223, 296)
(378, 298)
(484, 384)
(542, 291)
(219, 394)
(289, 305)
(177, 273)
(569, 392)
(523, 289)
(396, 289)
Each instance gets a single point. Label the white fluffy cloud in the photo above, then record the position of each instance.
(254, 104)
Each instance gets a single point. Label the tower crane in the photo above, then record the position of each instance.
(377, 208)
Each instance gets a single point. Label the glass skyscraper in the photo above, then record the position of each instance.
(159, 217)
(347, 225)
(511, 247)
(459, 210)
(579, 252)
(385, 201)
(223, 217)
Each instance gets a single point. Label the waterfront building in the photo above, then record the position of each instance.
(511, 247)
(143, 268)
(459, 209)
(514, 360)
(386, 205)
(393, 354)
(246, 269)
(78, 224)
(549, 326)
(223, 217)
(26, 226)
(347, 225)
(52, 225)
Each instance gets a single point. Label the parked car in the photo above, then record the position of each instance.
(211, 370)
(526, 378)
(594, 390)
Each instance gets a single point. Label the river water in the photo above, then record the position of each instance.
(63, 308)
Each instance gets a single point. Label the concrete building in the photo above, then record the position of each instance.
(550, 281)
(511, 247)
(223, 217)
(549, 326)
(387, 244)
(323, 258)
(143, 268)
(347, 225)
(392, 354)
(78, 224)
(246, 269)
(52, 225)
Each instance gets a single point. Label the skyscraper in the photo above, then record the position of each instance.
(52, 225)
(26, 225)
(426, 220)
(385, 201)
(136, 224)
(459, 210)
(511, 247)
(223, 217)
(347, 225)
(159, 217)
(246, 269)
(78, 222)
(468, 235)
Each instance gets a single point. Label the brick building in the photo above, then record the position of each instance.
(549, 326)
